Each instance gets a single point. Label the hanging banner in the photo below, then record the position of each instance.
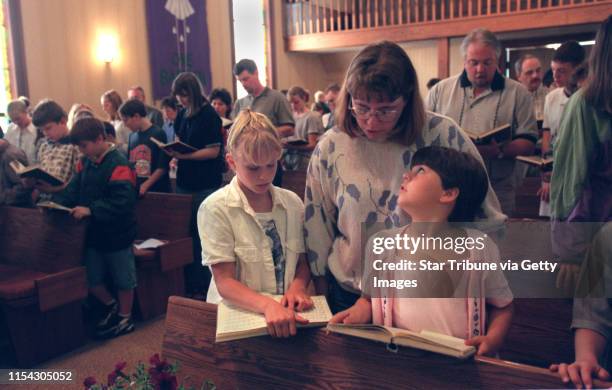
(178, 41)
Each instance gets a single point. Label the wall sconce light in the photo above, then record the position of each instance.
(108, 48)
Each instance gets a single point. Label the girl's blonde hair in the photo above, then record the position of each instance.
(254, 137)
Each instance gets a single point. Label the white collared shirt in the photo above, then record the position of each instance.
(229, 232)
(24, 139)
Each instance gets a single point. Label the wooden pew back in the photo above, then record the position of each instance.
(163, 216)
(314, 359)
(46, 242)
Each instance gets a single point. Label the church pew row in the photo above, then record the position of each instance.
(42, 282)
(315, 359)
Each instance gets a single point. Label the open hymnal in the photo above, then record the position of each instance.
(150, 243)
(234, 323)
(538, 161)
(500, 134)
(175, 146)
(35, 172)
(52, 205)
(425, 340)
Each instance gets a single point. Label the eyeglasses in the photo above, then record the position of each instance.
(384, 115)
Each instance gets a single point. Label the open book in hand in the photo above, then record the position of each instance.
(538, 161)
(35, 172)
(234, 323)
(175, 146)
(425, 340)
(52, 205)
(500, 134)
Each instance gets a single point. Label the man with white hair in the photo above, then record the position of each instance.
(480, 99)
(21, 132)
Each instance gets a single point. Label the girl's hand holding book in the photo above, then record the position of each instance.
(281, 320)
(359, 313)
(297, 298)
(485, 345)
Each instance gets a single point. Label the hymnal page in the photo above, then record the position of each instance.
(235, 323)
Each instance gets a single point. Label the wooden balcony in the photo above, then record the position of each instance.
(315, 25)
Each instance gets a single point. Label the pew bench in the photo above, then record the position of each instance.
(42, 282)
(159, 271)
(314, 359)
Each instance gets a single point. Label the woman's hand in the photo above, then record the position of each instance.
(581, 372)
(544, 192)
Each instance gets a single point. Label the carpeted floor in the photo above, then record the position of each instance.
(98, 358)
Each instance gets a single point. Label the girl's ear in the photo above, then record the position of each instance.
(230, 162)
(450, 195)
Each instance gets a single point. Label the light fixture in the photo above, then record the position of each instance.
(108, 48)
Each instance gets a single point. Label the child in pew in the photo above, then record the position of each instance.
(443, 186)
(150, 162)
(103, 190)
(56, 154)
(252, 231)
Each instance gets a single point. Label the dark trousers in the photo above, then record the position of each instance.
(197, 276)
(338, 298)
(278, 178)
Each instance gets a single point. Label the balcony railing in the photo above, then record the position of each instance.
(309, 18)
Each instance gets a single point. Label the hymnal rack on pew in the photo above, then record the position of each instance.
(234, 323)
(500, 134)
(35, 172)
(176, 146)
(542, 162)
(425, 340)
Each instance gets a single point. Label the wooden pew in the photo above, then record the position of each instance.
(160, 271)
(42, 282)
(315, 359)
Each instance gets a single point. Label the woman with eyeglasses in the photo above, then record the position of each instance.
(356, 170)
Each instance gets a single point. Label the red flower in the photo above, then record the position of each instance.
(112, 377)
(120, 366)
(89, 381)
